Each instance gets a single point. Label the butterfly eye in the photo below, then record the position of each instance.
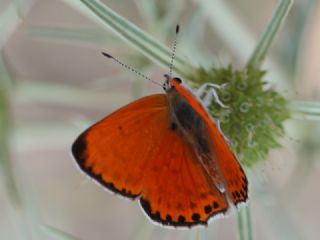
(178, 80)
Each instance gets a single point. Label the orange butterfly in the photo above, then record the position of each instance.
(166, 151)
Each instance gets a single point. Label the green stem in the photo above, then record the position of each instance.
(83, 35)
(307, 109)
(244, 223)
(5, 130)
(240, 226)
(275, 22)
(146, 44)
(249, 224)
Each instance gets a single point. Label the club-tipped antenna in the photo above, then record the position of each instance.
(174, 50)
(130, 68)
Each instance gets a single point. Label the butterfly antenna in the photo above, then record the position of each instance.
(130, 68)
(174, 49)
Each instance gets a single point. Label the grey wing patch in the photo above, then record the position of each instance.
(187, 122)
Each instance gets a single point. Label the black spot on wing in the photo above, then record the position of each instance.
(195, 217)
(241, 195)
(173, 126)
(215, 205)
(181, 221)
(234, 195)
(207, 209)
(168, 218)
(237, 194)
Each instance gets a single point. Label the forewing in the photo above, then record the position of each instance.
(116, 150)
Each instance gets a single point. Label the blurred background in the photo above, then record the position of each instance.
(54, 83)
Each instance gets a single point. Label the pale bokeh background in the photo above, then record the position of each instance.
(61, 84)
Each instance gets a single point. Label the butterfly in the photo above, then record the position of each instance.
(166, 151)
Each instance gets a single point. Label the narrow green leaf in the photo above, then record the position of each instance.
(276, 20)
(308, 109)
(71, 34)
(238, 37)
(146, 44)
(6, 167)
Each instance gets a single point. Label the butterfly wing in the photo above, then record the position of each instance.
(134, 152)
(116, 150)
(234, 177)
(235, 180)
(177, 192)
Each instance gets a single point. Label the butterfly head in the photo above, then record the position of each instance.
(170, 82)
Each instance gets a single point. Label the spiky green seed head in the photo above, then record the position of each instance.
(254, 118)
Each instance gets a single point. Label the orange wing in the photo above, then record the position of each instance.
(176, 190)
(116, 150)
(235, 179)
(133, 152)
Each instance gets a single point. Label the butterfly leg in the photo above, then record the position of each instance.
(208, 99)
(204, 86)
(212, 93)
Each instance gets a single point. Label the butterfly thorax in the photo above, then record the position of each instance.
(190, 124)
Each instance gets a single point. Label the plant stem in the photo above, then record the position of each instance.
(279, 15)
(240, 226)
(5, 130)
(305, 109)
(244, 223)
